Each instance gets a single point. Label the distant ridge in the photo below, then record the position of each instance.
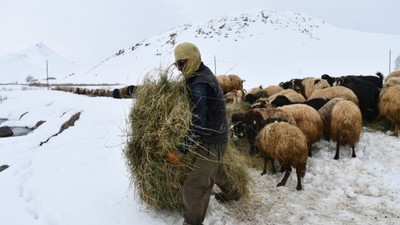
(16, 67)
(262, 46)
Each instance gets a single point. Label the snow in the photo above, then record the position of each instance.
(80, 177)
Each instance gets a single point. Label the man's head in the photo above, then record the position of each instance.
(187, 58)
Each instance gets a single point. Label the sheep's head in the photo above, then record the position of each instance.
(238, 126)
(280, 100)
(286, 85)
(246, 124)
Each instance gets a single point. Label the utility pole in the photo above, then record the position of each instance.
(390, 60)
(47, 74)
(215, 65)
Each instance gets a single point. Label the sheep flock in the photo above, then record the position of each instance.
(282, 122)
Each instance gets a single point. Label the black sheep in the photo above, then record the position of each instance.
(367, 94)
(282, 100)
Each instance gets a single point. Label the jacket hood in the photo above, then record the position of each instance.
(190, 52)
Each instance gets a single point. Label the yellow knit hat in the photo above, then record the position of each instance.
(190, 52)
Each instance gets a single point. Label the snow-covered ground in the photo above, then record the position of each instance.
(79, 176)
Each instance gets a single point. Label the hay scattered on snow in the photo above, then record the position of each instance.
(159, 120)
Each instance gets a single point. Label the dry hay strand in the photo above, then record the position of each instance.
(159, 119)
(236, 166)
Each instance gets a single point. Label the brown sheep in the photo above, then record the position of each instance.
(235, 96)
(308, 120)
(287, 144)
(236, 82)
(291, 94)
(272, 89)
(346, 125)
(395, 73)
(124, 91)
(248, 124)
(392, 81)
(325, 114)
(225, 83)
(308, 85)
(389, 106)
(253, 94)
(230, 82)
(335, 92)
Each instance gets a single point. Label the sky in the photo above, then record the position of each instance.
(80, 176)
(89, 31)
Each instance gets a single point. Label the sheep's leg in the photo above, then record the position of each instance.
(288, 169)
(354, 151)
(337, 150)
(299, 187)
(309, 149)
(265, 166)
(396, 130)
(253, 150)
(273, 166)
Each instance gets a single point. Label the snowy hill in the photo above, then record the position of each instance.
(262, 46)
(15, 67)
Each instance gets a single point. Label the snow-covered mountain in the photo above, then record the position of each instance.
(262, 46)
(16, 67)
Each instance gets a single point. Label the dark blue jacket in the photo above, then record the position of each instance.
(209, 122)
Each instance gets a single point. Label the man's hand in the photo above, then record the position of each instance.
(173, 157)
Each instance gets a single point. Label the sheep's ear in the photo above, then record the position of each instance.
(254, 122)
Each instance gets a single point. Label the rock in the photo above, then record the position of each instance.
(3, 167)
(5, 131)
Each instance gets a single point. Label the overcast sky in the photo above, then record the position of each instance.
(88, 31)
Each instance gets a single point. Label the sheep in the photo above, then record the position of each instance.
(395, 73)
(124, 91)
(282, 100)
(246, 125)
(225, 83)
(328, 78)
(392, 81)
(291, 94)
(376, 79)
(261, 103)
(367, 94)
(286, 84)
(346, 125)
(272, 89)
(325, 114)
(308, 120)
(308, 85)
(235, 96)
(230, 82)
(287, 144)
(389, 106)
(116, 94)
(236, 82)
(335, 92)
(253, 94)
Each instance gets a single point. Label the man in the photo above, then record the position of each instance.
(210, 129)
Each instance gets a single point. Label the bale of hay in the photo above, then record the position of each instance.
(160, 118)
